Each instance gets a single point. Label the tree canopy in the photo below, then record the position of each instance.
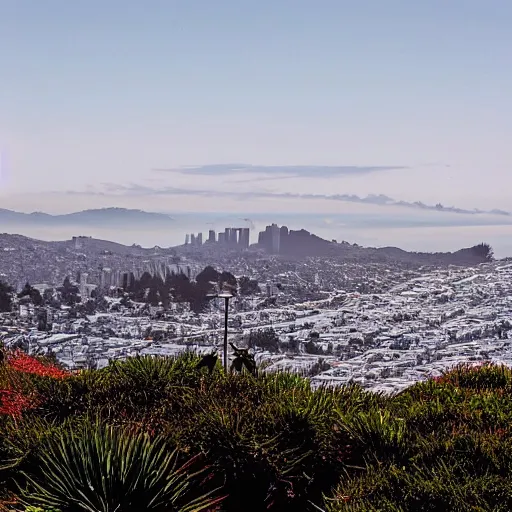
(69, 293)
(32, 293)
(5, 297)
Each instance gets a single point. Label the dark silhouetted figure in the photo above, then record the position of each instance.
(243, 358)
(209, 360)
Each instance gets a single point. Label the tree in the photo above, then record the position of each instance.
(225, 280)
(33, 293)
(125, 301)
(90, 307)
(228, 282)
(320, 366)
(69, 293)
(42, 321)
(153, 296)
(100, 302)
(312, 348)
(180, 287)
(198, 296)
(484, 251)
(145, 280)
(5, 297)
(248, 286)
(267, 339)
(208, 275)
(293, 345)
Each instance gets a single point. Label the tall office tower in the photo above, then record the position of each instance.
(116, 278)
(211, 236)
(128, 280)
(265, 239)
(243, 241)
(187, 239)
(233, 239)
(83, 283)
(283, 242)
(276, 239)
(199, 239)
(106, 278)
(192, 239)
(268, 239)
(222, 238)
(227, 235)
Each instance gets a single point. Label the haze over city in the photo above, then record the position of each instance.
(264, 108)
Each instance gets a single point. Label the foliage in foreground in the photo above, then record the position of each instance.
(101, 468)
(166, 433)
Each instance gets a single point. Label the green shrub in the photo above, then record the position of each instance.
(102, 468)
(443, 444)
(438, 488)
(270, 441)
(64, 398)
(377, 434)
(482, 376)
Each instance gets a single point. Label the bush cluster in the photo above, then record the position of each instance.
(157, 433)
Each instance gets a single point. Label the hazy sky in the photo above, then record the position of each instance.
(405, 98)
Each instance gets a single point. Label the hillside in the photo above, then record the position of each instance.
(196, 439)
(302, 243)
(93, 245)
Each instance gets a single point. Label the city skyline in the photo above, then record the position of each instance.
(234, 237)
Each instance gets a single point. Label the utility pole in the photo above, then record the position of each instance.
(226, 310)
(226, 296)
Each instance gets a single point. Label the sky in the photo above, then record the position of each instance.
(255, 106)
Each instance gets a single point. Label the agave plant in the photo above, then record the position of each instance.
(144, 370)
(379, 431)
(103, 469)
(243, 359)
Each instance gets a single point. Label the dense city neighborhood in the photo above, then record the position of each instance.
(383, 324)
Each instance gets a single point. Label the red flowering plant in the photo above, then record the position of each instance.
(17, 393)
(14, 403)
(22, 362)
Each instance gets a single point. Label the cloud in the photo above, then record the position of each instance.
(134, 189)
(268, 172)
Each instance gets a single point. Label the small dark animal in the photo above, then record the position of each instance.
(209, 360)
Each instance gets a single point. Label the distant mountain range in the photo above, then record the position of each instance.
(105, 217)
(126, 218)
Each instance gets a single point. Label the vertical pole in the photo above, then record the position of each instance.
(226, 304)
